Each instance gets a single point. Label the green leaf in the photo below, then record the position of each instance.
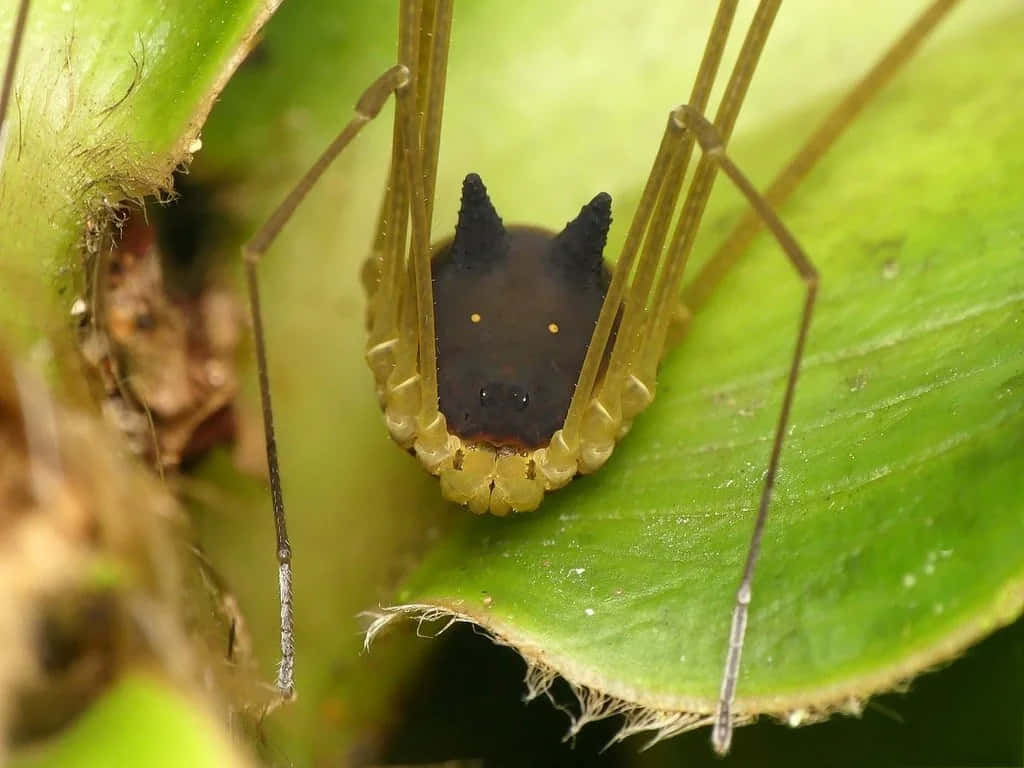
(896, 522)
(550, 107)
(109, 98)
(166, 729)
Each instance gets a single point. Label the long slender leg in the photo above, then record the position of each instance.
(385, 351)
(563, 454)
(12, 60)
(403, 387)
(369, 104)
(389, 250)
(762, 213)
(650, 349)
(713, 147)
(389, 257)
(649, 226)
(432, 433)
(440, 36)
(820, 141)
(629, 381)
(434, 32)
(367, 108)
(402, 347)
(651, 343)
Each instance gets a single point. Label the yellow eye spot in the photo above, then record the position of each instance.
(475, 317)
(552, 327)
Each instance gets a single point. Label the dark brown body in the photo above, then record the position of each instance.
(514, 312)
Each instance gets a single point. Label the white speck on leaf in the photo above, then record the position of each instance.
(796, 717)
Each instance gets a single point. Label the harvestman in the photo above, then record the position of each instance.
(489, 465)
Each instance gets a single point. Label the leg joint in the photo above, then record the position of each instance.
(690, 119)
(251, 255)
(374, 97)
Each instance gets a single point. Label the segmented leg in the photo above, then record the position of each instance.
(761, 213)
(713, 147)
(402, 348)
(12, 62)
(601, 409)
(821, 140)
(649, 349)
(591, 426)
(369, 104)
(629, 382)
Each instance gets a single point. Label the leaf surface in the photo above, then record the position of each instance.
(895, 533)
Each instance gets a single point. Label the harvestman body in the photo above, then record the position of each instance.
(496, 460)
(499, 430)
